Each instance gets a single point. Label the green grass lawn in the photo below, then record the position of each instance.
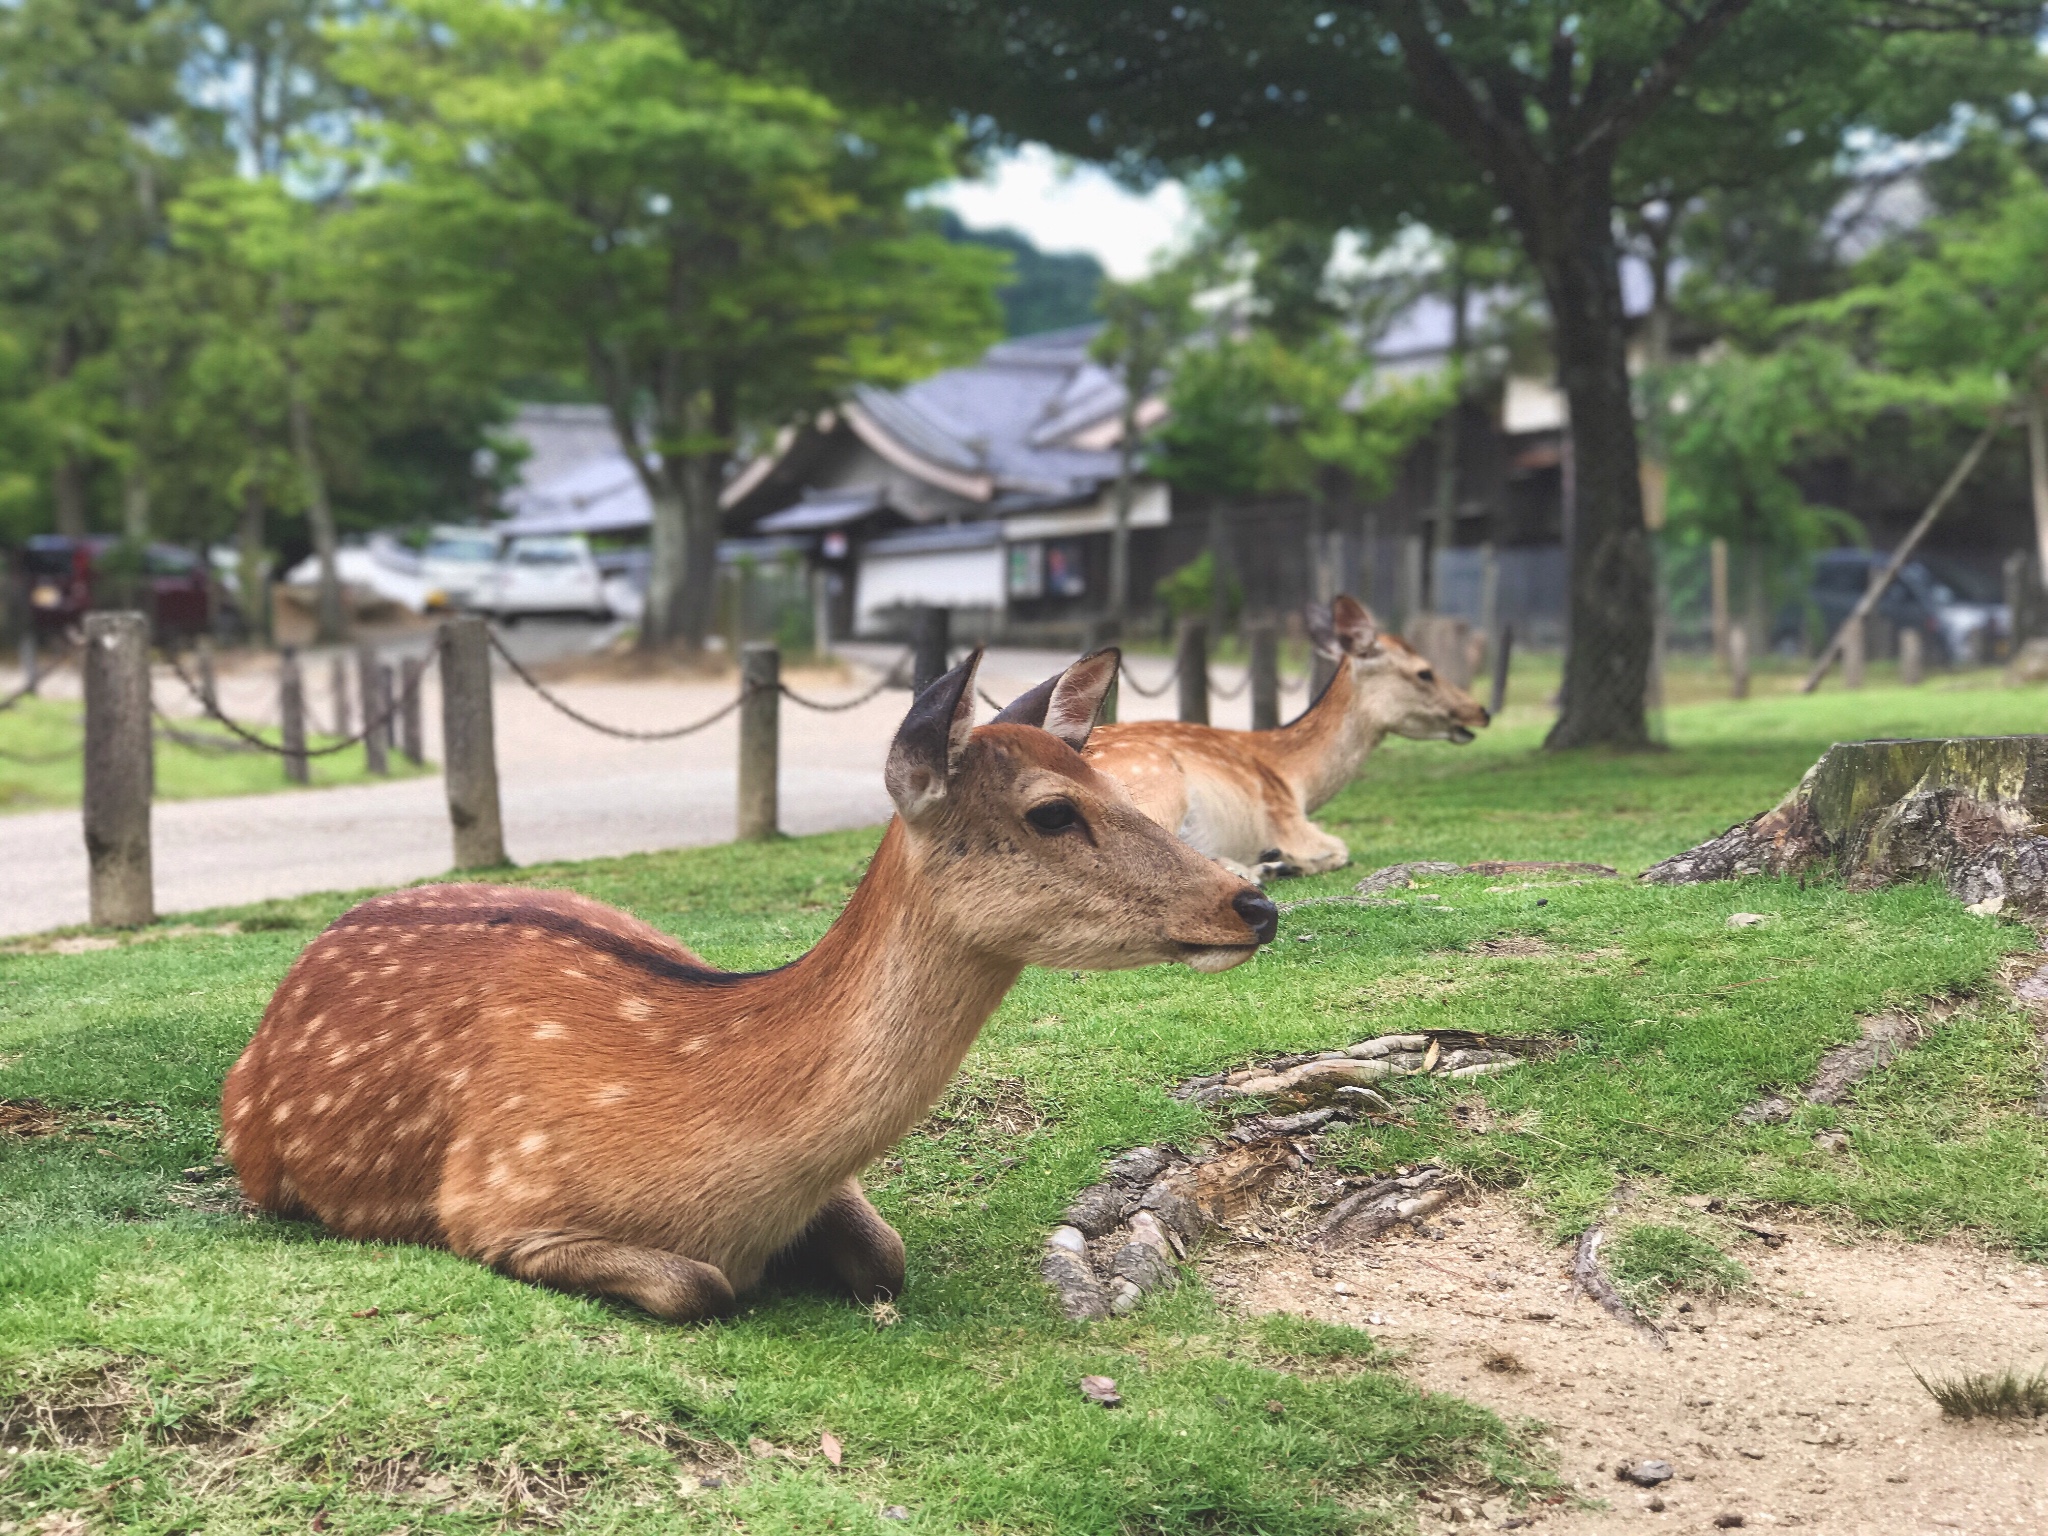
(42, 766)
(167, 1364)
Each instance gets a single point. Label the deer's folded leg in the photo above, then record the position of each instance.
(848, 1243)
(666, 1284)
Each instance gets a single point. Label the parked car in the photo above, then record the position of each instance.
(455, 564)
(69, 577)
(543, 575)
(1950, 605)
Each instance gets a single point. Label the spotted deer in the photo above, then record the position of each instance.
(550, 1087)
(1244, 797)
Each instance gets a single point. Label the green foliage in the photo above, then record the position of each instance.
(717, 252)
(1253, 416)
(1190, 592)
(1046, 290)
(1652, 1262)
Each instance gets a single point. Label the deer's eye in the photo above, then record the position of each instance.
(1053, 816)
(1425, 676)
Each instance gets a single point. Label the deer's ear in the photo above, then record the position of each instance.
(1067, 703)
(926, 752)
(1322, 632)
(1028, 708)
(1352, 626)
(1077, 696)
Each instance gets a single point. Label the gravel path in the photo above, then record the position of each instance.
(567, 792)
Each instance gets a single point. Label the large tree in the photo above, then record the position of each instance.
(1376, 112)
(714, 253)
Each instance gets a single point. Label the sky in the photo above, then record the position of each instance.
(1064, 206)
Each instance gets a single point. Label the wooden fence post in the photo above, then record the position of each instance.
(1497, 698)
(337, 692)
(209, 684)
(376, 729)
(1738, 661)
(31, 671)
(1912, 658)
(930, 641)
(1717, 598)
(760, 741)
(291, 714)
(1193, 667)
(1262, 639)
(120, 769)
(469, 748)
(1852, 652)
(411, 714)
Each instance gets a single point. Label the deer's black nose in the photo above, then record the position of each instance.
(1259, 914)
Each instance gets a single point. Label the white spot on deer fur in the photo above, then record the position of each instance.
(532, 1142)
(244, 1109)
(611, 1093)
(391, 1104)
(572, 972)
(512, 1101)
(376, 949)
(281, 1113)
(299, 992)
(687, 1046)
(390, 970)
(390, 1006)
(458, 1077)
(355, 978)
(550, 1031)
(321, 1104)
(635, 1008)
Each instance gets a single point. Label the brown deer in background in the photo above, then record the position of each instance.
(1244, 797)
(550, 1087)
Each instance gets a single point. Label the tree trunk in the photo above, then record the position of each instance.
(251, 578)
(2037, 464)
(1447, 440)
(331, 625)
(668, 554)
(1611, 579)
(67, 489)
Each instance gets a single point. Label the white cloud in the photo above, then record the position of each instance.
(1063, 206)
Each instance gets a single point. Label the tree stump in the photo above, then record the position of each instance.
(1965, 811)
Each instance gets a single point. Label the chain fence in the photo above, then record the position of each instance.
(401, 700)
(893, 678)
(38, 677)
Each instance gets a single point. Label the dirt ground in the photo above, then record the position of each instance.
(1791, 1405)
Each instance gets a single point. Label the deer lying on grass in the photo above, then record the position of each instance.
(550, 1087)
(1244, 797)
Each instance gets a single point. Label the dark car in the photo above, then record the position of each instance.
(1950, 605)
(68, 577)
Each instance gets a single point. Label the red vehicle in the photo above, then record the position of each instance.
(67, 577)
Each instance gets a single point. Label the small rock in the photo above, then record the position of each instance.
(1072, 1239)
(1341, 1289)
(1753, 1455)
(711, 1480)
(895, 1512)
(195, 1175)
(1101, 1389)
(1746, 919)
(1645, 1474)
(1654, 1504)
(1831, 1141)
(762, 1448)
(1729, 1522)
(1275, 1407)
(1990, 906)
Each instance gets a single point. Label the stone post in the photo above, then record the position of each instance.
(1262, 640)
(760, 742)
(930, 641)
(291, 714)
(1193, 654)
(469, 744)
(120, 769)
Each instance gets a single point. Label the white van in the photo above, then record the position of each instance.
(455, 564)
(535, 574)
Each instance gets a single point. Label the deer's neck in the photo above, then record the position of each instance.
(1319, 753)
(884, 1008)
